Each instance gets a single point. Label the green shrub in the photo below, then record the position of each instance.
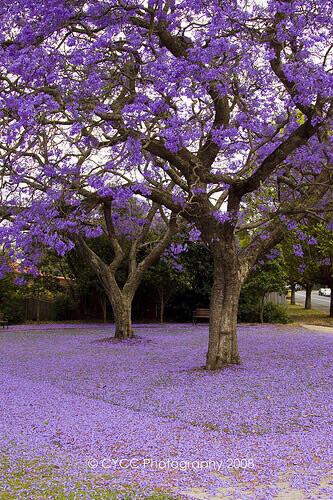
(65, 308)
(276, 313)
(248, 311)
(13, 310)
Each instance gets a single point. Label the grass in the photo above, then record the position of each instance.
(39, 481)
(299, 315)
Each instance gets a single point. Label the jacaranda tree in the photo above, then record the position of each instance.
(219, 111)
(60, 217)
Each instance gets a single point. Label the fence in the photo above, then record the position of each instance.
(37, 309)
(276, 298)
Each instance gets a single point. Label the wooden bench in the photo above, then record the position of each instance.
(200, 313)
(3, 320)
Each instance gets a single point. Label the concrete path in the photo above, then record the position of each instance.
(325, 329)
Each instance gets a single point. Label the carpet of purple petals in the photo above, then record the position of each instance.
(68, 396)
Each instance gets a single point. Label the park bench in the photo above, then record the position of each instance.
(200, 313)
(3, 320)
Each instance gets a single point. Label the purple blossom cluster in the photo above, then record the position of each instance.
(70, 394)
(200, 109)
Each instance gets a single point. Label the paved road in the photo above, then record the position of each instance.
(318, 302)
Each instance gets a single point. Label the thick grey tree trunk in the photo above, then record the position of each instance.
(123, 318)
(121, 302)
(222, 344)
(308, 290)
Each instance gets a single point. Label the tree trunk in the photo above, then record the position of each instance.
(104, 309)
(308, 290)
(162, 306)
(123, 320)
(120, 300)
(331, 301)
(261, 309)
(38, 308)
(293, 295)
(222, 344)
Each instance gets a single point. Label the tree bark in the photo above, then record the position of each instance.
(162, 306)
(261, 309)
(121, 298)
(222, 343)
(308, 290)
(104, 309)
(331, 301)
(38, 309)
(293, 295)
(123, 318)
(121, 302)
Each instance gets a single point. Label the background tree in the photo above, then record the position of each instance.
(266, 277)
(11, 305)
(87, 285)
(167, 278)
(302, 260)
(218, 111)
(193, 270)
(325, 244)
(138, 233)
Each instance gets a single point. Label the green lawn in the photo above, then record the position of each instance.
(300, 315)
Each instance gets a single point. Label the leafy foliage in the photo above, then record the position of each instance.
(11, 304)
(269, 277)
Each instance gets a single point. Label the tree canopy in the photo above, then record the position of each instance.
(219, 112)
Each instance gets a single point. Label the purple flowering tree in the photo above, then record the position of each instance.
(57, 198)
(141, 246)
(137, 232)
(220, 112)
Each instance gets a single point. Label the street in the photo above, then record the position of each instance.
(318, 302)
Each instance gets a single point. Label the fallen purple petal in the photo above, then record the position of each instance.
(67, 399)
